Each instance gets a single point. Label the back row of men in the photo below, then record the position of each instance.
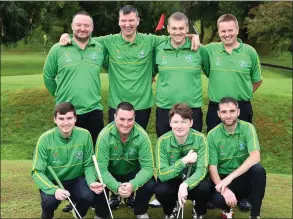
(184, 156)
(71, 71)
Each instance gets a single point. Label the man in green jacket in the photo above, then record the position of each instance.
(72, 74)
(179, 74)
(181, 162)
(234, 156)
(68, 150)
(124, 155)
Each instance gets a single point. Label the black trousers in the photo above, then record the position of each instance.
(80, 194)
(213, 119)
(93, 122)
(142, 198)
(142, 117)
(250, 185)
(163, 123)
(167, 195)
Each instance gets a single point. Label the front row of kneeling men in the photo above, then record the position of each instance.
(222, 168)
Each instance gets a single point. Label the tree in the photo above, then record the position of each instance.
(271, 23)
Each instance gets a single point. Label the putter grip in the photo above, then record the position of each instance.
(97, 168)
(55, 177)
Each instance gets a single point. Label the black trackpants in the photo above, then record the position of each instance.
(167, 195)
(250, 184)
(80, 194)
(142, 117)
(163, 123)
(93, 122)
(213, 119)
(142, 198)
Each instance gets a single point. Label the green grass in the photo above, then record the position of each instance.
(282, 59)
(20, 197)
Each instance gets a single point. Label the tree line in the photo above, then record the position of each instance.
(260, 22)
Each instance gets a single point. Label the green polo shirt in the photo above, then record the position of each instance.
(130, 69)
(73, 75)
(232, 74)
(179, 74)
(169, 153)
(229, 151)
(69, 157)
(119, 159)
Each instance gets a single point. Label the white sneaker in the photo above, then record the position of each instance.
(142, 216)
(227, 215)
(155, 204)
(96, 217)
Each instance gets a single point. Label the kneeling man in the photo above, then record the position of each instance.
(68, 150)
(182, 161)
(124, 155)
(234, 165)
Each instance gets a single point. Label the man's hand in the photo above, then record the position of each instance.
(182, 193)
(64, 39)
(191, 157)
(125, 190)
(195, 42)
(61, 194)
(97, 187)
(229, 197)
(220, 187)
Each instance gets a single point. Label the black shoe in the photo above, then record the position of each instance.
(244, 205)
(67, 208)
(210, 205)
(130, 201)
(114, 201)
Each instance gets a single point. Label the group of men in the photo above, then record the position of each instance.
(185, 158)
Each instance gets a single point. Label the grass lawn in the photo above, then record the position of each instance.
(20, 197)
(26, 112)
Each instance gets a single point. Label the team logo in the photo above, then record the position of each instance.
(141, 54)
(78, 154)
(56, 159)
(223, 153)
(164, 60)
(67, 57)
(93, 55)
(242, 146)
(132, 151)
(218, 61)
(188, 58)
(243, 63)
(118, 56)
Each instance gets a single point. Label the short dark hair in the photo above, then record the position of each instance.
(181, 109)
(127, 9)
(125, 106)
(178, 16)
(227, 17)
(63, 108)
(228, 100)
(82, 13)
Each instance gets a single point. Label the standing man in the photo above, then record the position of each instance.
(68, 150)
(72, 74)
(176, 152)
(234, 71)
(124, 154)
(234, 157)
(179, 70)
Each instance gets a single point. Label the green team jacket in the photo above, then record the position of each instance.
(117, 158)
(169, 153)
(73, 75)
(130, 69)
(69, 157)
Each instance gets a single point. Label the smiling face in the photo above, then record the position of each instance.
(228, 31)
(124, 120)
(82, 27)
(128, 24)
(177, 30)
(228, 113)
(180, 126)
(65, 123)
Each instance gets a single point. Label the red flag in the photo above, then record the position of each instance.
(161, 23)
